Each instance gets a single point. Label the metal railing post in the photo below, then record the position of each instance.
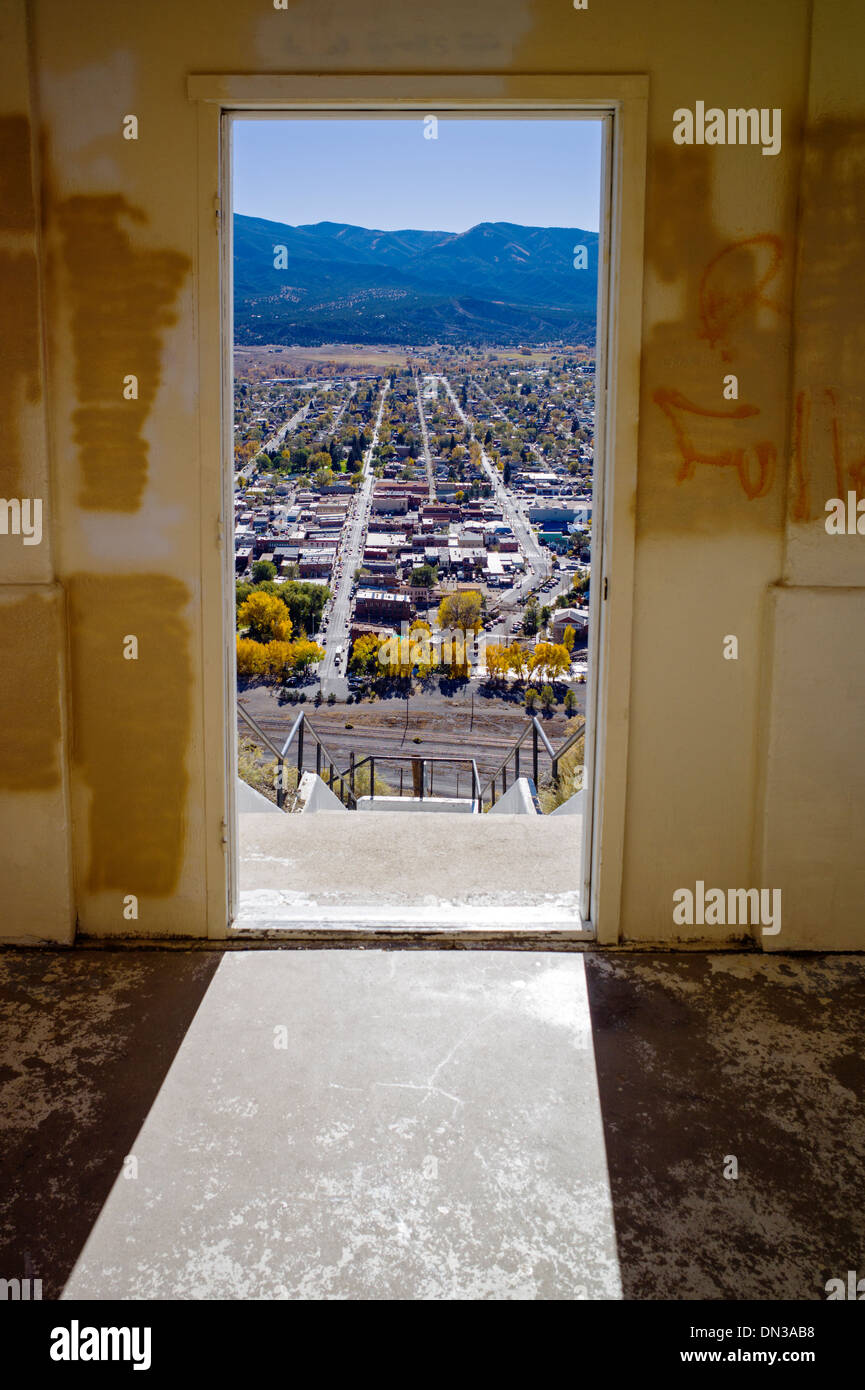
(317, 758)
(517, 763)
(299, 754)
(534, 752)
(371, 778)
(280, 784)
(351, 771)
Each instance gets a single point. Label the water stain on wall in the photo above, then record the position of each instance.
(17, 211)
(829, 457)
(30, 728)
(19, 358)
(19, 297)
(131, 726)
(730, 286)
(121, 298)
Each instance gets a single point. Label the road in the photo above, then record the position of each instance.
(426, 449)
(276, 439)
(337, 419)
(332, 670)
(538, 564)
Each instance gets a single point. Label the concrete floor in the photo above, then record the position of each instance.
(439, 1125)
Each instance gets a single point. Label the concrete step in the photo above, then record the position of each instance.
(496, 872)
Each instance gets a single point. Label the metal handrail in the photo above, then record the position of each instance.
(538, 734)
(297, 729)
(414, 758)
(346, 777)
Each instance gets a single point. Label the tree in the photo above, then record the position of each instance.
(517, 661)
(569, 638)
(278, 660)
(531, 697)
(323, 477)
(548, 699)
(461, 610)
(530, 618)
(550, 659)
(364, 655)
(423, 576)
(497, 661)
(266, 618)
(250, 658)
(306, 653)
(263, 569)
(304, 603)
(570, 701)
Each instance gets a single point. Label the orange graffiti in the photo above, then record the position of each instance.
(674, 404)
(720, 306)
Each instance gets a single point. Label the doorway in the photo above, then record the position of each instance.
(428, 436)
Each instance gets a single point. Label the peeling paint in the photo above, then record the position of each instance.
(31, 637)
(131, 726)
(121, 297)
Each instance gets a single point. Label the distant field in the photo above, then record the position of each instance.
(295, 360)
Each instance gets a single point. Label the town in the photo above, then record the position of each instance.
(445, 488)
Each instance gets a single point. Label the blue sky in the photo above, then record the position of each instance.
(384, 174)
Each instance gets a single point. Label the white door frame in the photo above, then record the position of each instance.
(621, 100)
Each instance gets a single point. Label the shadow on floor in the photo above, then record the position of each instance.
(86, 1039)
(704, 1058)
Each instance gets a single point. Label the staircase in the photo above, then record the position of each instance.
(329, 788)
(409, 863)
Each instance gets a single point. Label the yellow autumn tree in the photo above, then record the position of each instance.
(364, 654)
(550, 659)
(497, 661)
(305, 652)
(517, 659)
(251, 660)
(461, 610)
(265, 618)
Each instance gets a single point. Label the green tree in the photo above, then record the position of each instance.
(263, 569)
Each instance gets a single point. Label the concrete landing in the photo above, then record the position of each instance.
(502, 872)
(370, 1125)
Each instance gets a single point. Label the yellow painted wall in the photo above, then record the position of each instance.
(107, 233)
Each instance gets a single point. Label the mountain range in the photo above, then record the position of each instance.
(497, 283)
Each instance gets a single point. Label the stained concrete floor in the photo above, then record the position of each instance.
(439, 1125)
